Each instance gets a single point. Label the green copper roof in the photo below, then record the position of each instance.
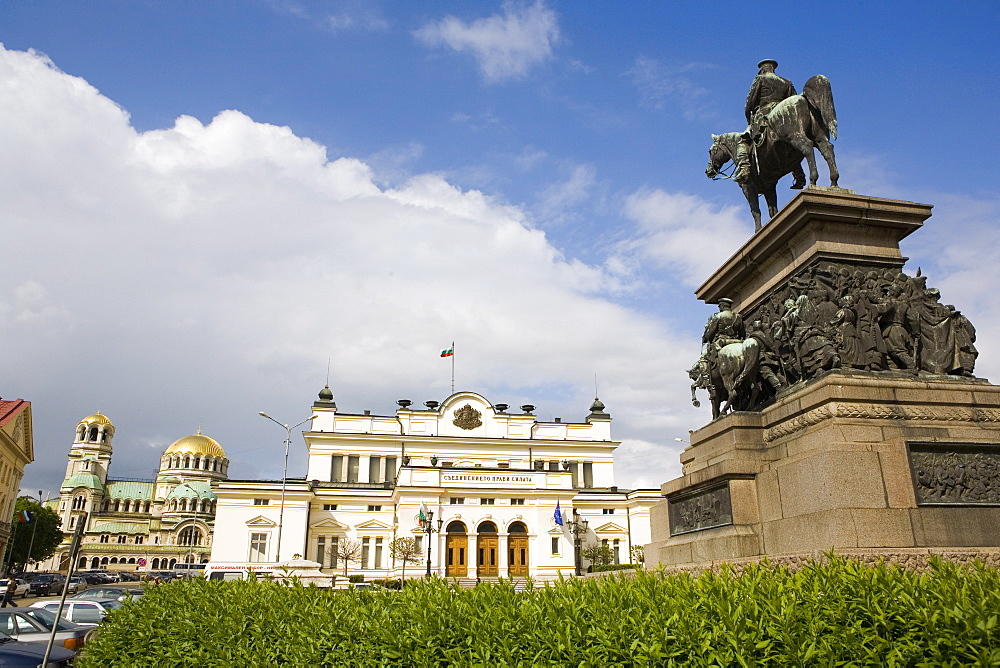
(125, 489)
(121, 527)
(88, 480)
(193, 488)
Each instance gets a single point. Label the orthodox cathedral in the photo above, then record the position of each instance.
(139, 524)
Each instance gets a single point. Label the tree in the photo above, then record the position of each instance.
(599, 555)
(406, 551)
(349, 550)
(41, 535)
(638, 557)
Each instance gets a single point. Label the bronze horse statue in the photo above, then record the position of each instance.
(794, 127)
(732, 381)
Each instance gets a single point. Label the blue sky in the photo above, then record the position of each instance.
(212, 199)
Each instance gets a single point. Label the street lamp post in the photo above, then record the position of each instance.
(31, 544)
(578, 526)
(284, 473)
(429, 528)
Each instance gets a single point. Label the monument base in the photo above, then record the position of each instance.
(848, 461)
(885, 452)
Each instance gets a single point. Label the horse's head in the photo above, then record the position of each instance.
(718, 155)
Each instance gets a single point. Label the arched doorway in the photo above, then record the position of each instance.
(517, 549)
(456, 548)
(95, 563)
(487, 546)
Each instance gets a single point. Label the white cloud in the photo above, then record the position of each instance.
(685, 234)
(194, 275)
(504, 45)
(557, 199)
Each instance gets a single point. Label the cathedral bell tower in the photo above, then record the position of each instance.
(87, 469)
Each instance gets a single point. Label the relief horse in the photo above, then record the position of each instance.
(793, 128)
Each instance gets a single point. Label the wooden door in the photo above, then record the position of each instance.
(488, 563)
(517, 551)
(456, 546)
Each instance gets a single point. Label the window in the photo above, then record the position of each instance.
(608, 511)
(617, 551)
(503, 465)
(122, 538)
(352, 468)
(555, 545)
(390, 469)
(258, 547)
(456, 500)
(261, 502)
(487, 502)
(588, 475)
(517, 502)
(378, 552)
(138, 540)
(419, 540)
(334, 546)
(190, 536)
(329, 506)
(374, 466)
(321, 551)
(105, 538)
(337, 468)
(554, 465)
(365, 551)
(374, 509)
(574, 469)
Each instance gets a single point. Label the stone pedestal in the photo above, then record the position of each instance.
(855, 461)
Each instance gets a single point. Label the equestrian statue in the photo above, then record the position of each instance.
(783, 128)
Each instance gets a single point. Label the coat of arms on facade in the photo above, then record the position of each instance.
(467, 417)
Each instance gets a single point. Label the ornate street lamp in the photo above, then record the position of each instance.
(430, 530)
(578, 526)
(284, 473)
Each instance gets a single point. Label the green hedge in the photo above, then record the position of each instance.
(613, 567)
(835, 613)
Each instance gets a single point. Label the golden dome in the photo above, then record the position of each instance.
(196, 444)
(96, 418)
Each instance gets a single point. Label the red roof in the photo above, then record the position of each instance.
(10, 409)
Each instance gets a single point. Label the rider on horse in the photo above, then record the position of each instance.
(767, 90)
(722, 328)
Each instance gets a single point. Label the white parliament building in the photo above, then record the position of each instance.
(491, 477)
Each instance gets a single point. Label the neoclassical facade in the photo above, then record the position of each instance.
(16, 452)
(492, 477)
(139, 524)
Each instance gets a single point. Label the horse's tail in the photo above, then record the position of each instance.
(819, 95)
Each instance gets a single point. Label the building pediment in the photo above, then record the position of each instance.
(372, 524)
(329, 524)
(261, 522)
(610, 527)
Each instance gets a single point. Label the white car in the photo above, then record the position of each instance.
(79, 611)
(22, 587)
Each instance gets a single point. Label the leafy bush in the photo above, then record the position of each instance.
(835, 613)
(613, 567)
(355, 578)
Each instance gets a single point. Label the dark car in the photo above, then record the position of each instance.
(14, 654)
(45, 584)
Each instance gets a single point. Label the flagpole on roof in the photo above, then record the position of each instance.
(453, 367)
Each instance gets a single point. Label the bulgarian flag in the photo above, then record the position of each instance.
(25, 517)
(423, 513)
(449, 352)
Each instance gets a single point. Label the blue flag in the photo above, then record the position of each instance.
(557, 516)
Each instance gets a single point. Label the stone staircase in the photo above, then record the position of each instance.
(520, 583)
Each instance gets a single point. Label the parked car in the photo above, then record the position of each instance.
(35, 625)
(22, 587)
(107, 593)
(18, 654)
(77, 584)
(79, 611)
(45, 584)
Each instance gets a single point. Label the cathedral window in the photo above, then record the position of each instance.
(105, 538)
(187, 462)
(93, 434)
(197, 462)
(146, 507)
(122, 538)
(138, 540)
(190, 536)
